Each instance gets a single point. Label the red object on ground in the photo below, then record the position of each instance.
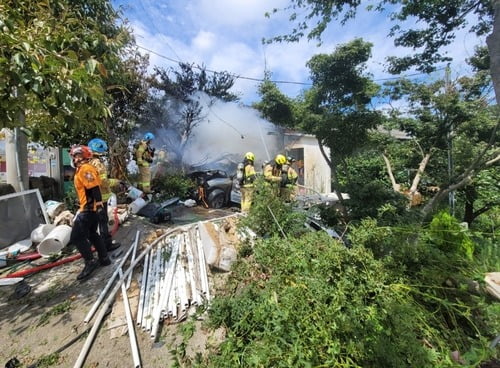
(31, 270)
(28, 256)
(117, 222)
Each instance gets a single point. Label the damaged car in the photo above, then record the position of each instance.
(212, 188)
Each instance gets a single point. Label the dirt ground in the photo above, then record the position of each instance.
(50, 316)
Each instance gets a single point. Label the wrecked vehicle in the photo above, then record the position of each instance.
(213, 188)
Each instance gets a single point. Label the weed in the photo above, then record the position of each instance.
(48, 360)
(56, 310)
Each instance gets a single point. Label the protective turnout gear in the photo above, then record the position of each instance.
(97, 145)
(250, 156)
(143, 157)
(247, 185)
(288, 183)
(280, 160)
(148, 136)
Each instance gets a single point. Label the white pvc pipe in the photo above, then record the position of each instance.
(142, 292)
(156, 291)
(129, 280)
(191, 271)
(147, 296)
(203, 268)
(130, 325)
(196, 267)
(166, 292)
(89, 315)
(91, 336)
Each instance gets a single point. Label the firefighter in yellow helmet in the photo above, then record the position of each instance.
(272, 172)
(289, 178)
(144, 157)
(246, 177)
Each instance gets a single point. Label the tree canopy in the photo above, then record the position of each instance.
(436, 24)
(54, 59)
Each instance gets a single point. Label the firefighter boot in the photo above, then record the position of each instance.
(90, 266)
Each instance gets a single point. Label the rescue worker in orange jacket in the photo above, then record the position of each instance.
(144, 157)
(247, 181)
(99, 148)
(84, 231)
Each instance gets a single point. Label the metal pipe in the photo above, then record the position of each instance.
(91, 336)
(130, 325)
(142, 292)
(89, 315)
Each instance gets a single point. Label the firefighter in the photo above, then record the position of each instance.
(272, 172)
(99, 149)
(84, 231)
(247, 181)
(289, 178)
(144, 157)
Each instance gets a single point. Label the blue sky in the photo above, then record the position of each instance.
(225, 35)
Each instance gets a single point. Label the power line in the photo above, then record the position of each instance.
(271, 80)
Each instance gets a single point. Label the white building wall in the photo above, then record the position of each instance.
(317, 174)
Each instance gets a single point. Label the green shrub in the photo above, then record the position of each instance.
(173, 185)
(270, 215)
(449, 236)
(313, 302)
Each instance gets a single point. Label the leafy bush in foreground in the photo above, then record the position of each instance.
(313, 302)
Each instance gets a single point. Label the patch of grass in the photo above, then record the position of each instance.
(48, 360)
(56, 310)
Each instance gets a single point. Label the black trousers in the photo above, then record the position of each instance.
(84, 235)
(103, 225)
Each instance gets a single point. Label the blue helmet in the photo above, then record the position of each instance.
(97, 145)
(148, 136)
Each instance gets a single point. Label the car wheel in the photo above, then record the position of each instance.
(218, 201)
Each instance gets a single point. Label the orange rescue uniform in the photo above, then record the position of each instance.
(86, 178)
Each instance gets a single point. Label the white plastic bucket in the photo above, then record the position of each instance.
(40, 232)
(134, 193)
(55, 241)
(136, 205)
(53, 208)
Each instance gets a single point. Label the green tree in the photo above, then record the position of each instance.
(336, 109)
(54, 57)
(436, 115)
(438, 23)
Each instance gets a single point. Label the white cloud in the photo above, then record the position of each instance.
(204, 41)
(225, 35)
